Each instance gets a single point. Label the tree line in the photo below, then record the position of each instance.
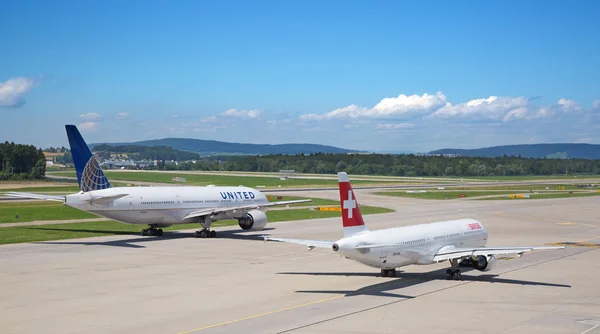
(392, 165)
(21, 162)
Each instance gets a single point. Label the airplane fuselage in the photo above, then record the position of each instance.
(164, 206)
(416, 244)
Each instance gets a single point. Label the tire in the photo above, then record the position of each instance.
(159, 232)
(213, 234)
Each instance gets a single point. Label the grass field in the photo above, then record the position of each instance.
(222, 180)
(535, 177)
(70, 189)
(315, 201)
(443, 194)
(525, 187)
(503, 194)
(547, 196)
(39, 210)
(19, 234)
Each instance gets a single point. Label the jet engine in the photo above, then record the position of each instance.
(483, 262)
(254, 220)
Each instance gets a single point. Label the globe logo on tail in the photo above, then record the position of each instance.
(92, 177)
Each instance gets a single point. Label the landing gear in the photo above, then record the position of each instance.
(388, 272)
(453, 272)
(152, 231)
(204, 233)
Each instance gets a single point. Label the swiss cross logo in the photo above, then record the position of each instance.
(474, 226)
(349, 204)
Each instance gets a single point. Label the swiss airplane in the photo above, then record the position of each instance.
(461, 242)
(159, 206)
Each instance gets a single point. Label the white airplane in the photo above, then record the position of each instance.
(462, 242)
(159, 206)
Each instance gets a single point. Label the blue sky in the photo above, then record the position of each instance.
(373, 75)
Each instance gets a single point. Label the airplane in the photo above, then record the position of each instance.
(159, 206)
(461, 242)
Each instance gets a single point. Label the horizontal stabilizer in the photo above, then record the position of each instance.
(103, 200)
(36, 196)
(309, 243)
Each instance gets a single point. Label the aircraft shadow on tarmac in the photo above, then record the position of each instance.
(410, 279)
(138, 241)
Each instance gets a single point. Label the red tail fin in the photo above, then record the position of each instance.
(351, 216)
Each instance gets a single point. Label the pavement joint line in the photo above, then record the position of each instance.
(366, 290)
(428, 293)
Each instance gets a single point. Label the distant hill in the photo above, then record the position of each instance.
(139, 152)
(213, 147)
(557, 151)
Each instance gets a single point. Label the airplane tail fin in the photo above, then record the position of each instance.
(351, 216)
(89, 174)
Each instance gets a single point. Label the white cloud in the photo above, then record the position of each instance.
(568, 105)
(254, 113)
(493, 107)
(208, 119)
(12, 91)
(543, 112)
(387, 107)
(210, 129)
(90, 116)
(122, 115)
(499, 109)
(88, 126)
(391, 126)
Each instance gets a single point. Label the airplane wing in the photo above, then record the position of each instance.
(36, 196)
(450, 252)
(214, 211)
(310, 243)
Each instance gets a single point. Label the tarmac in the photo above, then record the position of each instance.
(237, 283)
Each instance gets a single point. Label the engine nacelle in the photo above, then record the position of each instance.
(484, 263)
(255, 220)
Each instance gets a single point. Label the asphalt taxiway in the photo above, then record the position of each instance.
(239, 284)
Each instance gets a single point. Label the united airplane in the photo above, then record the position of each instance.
(461, 242)
(159, 207)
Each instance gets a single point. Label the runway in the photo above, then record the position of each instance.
(239, 284)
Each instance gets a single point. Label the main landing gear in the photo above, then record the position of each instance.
(388, 272)
(205, 233)
(453, 272)
(152, 231)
